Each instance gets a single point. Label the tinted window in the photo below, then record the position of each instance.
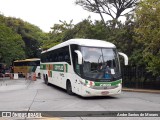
(58, 55)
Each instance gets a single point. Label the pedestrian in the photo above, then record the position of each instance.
(11, 72)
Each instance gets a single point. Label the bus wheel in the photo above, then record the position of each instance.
(69, 88)
(39, 75)
(46, 80)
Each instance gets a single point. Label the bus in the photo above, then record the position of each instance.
(86, 67)
(22, 67)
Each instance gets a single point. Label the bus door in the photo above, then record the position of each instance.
(76, 76)
(76, 70)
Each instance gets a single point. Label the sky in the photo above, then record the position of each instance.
(45, 13)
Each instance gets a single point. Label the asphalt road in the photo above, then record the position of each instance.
(28, 95)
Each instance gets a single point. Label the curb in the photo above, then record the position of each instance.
(141, 90)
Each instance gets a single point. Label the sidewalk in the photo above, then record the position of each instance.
(141, 90)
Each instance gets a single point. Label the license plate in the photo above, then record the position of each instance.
(104, 92)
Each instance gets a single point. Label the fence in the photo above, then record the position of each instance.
(138, 77)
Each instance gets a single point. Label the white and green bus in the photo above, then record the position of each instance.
(85, 67)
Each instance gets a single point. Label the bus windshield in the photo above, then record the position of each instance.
(100, 63)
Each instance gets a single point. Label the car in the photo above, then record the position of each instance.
(7, 73)
(1, 75)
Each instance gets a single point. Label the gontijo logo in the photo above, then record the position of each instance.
(105, 85)
(59, 67)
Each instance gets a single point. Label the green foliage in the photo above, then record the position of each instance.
(65, 31)
(11, 45)
(60, 32)
(48, 44)
(90, 30)
(19, 39)
(121, 36)
(31, 35)
(139, 38)
(84, 29)
(2, 19)
(148, 33)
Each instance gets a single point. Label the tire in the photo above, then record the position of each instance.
(39, 75)
(69, 88)
(46, 80)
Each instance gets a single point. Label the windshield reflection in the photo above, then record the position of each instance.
(100, 63)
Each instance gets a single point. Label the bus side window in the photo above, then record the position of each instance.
(66, 58)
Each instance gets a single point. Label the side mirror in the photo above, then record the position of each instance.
(125, 58)
(79, 56)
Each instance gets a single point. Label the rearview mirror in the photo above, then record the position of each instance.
(125, 58)
(79, 56)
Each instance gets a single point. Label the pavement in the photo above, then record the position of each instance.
(16, 85)
(22, 87)
(4, 86)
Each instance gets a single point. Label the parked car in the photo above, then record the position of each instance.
(7, 73)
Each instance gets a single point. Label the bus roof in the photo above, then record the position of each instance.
(25, 60)
(83, 42)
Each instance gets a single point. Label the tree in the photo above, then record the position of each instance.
(11, 45)
(112, 8)
(147, 33)
(90, 30)
(65, 31)
(60, 33)
(31, 35)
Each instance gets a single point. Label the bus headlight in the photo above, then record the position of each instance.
(88, 84)
(83, 83)
(120, 85)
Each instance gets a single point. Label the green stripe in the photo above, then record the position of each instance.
(56, 67)
(42, 67)
(114, 83)
(50, 73)
(66, 67)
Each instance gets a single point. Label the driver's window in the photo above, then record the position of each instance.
(87, 67)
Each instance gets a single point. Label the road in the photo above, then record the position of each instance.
(28, 95)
